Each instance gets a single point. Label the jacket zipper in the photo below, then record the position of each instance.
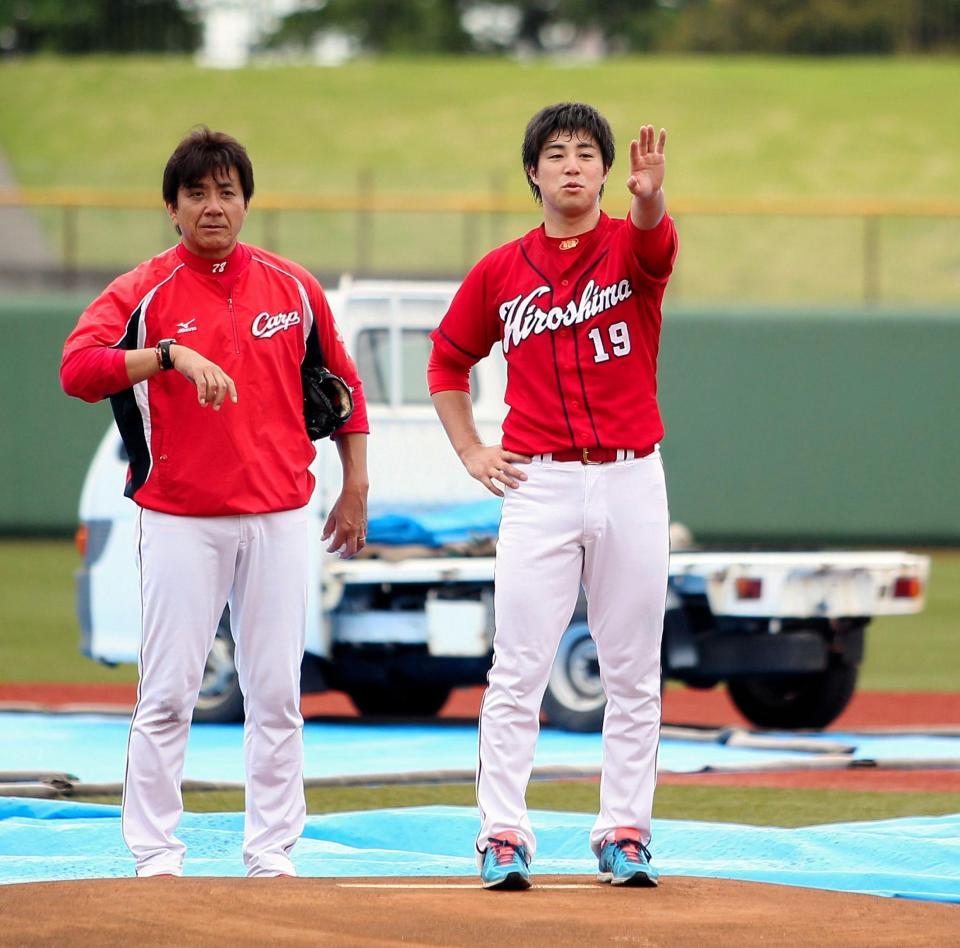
(233, 324)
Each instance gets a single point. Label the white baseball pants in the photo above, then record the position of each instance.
(189, 568)
(605, 526)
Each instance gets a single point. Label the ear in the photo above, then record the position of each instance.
(532, 174)
(172, 214)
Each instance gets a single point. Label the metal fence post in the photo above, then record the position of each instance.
(364, 220)
(69, 238)
(871, 259)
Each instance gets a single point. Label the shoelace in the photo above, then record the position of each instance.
(632, 848)
(503, 850)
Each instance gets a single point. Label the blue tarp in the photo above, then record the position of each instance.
(92, 748)
(912, 858)
(435, 524)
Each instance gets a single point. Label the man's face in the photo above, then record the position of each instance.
(210, 213)
(569, 173)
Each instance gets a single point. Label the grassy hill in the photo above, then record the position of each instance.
(740, 128)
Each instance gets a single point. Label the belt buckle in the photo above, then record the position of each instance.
(586, 458)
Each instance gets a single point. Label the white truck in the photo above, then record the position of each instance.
(402, 626)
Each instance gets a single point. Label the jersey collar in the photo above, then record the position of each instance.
(586, 239)
(225, 270)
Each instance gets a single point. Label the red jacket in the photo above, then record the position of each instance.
(251, 314)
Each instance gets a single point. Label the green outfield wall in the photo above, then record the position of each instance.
(782, 426)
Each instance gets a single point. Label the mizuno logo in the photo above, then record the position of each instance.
(264, 325)
(187, 326)
(522, 317)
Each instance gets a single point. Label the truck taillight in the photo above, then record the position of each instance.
(907, 587)
(748, 588)
(80, 539)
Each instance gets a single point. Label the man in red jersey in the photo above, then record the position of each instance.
(200, 351)
(575, 306)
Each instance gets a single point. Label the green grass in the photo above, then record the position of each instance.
(738, 128)
(757, 806)
(919, 652)
(39, 638)
(39, 626)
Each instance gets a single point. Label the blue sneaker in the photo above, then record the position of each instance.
(624, 860)
(505, 863)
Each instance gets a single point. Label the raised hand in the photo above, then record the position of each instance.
(647, 164)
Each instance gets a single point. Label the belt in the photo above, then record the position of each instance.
(599, 455)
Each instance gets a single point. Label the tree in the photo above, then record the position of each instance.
(381, 25)
(90, 26)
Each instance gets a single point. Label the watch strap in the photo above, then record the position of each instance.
(163, 353)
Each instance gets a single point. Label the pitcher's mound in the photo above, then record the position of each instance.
(559, 910)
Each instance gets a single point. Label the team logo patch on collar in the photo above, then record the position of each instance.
(264, 325)
(569, 243)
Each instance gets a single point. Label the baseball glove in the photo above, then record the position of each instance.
(327, 402)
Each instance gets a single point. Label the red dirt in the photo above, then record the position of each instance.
(680, 705)
(681, 912)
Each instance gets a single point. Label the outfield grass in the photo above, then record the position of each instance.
(40, 636)
(39, 640)
(756, 806)
(739, 128)
(919, 653)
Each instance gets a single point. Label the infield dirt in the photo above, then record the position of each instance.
(559, 910)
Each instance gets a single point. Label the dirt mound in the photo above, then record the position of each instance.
(559, 910)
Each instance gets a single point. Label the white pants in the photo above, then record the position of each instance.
(605, 526)
(189, 568)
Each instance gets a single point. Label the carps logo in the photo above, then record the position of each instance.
(264, 325)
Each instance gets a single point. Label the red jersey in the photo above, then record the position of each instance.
(252, 315)
(580, 328)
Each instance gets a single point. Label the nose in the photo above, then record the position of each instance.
(213, 205)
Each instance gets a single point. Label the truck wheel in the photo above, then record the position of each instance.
(399, 699)
(795, 701)
(574, 699)
(221, 700)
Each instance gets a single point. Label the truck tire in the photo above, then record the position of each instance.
(574, 699)
(220, 700)
(795, 701)
(399, 699)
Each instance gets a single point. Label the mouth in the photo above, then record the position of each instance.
(573, 187)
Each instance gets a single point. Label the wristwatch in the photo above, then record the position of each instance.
(163, 353)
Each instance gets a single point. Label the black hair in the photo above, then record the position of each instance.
(571, 117)
(201, 153)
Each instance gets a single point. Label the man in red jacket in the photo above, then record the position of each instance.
(199, 350)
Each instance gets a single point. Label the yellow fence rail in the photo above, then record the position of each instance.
(365, 202)
(490, 203)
